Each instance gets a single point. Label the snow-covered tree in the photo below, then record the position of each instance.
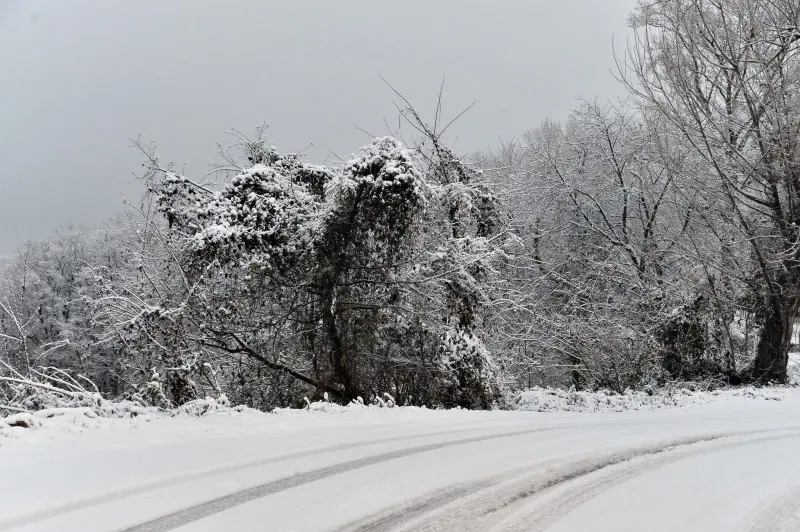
(725, 75)
(598, 202)
(292, 278)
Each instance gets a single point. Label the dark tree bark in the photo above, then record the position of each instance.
(772, 352)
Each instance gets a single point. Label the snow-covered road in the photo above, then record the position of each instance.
(731, 464)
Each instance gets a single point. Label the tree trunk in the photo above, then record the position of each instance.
(336, 261)
(338, 352)
(772, 352)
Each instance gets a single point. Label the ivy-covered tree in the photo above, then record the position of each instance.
(293, 279)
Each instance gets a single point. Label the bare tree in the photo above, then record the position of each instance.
(725, 74)
(597, 203)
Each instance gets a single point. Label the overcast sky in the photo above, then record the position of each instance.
(80, 78)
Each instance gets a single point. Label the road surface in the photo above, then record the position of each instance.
(728, 466)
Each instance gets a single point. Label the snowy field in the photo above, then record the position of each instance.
(724, 461)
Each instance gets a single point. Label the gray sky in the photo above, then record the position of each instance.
(80, 78)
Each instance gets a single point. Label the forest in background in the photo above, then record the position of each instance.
(634, 245)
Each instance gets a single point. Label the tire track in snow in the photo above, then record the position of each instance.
(544, 475)
(420, 507)
(164, 482)
(781, 515)
(541, 517)
(201, 511)
(490, 509)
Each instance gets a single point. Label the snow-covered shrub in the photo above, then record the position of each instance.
(687, 350)
(469, 376)
(794, 369)
(201, 407)
(45, 388)
(48, 392)
(558, 400)
(151, 392)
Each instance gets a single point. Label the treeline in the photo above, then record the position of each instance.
(636, 244)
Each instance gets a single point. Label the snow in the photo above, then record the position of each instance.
(709, 461)
(794, 368)
(555, 400)
(20, 419)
